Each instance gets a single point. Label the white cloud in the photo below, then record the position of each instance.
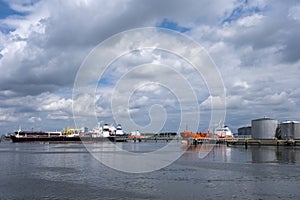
(258, 57)
(34, 119)
(294, 13)
(278, 99)
(241, 84)
(250, 20)
(58, 116)
(56, 104)
(7, 118)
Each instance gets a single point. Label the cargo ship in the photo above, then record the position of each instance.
(193, 135)
(221, 133)
(40, 136)
(106, 133)
(224, 133)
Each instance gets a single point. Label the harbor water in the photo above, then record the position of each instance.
(68, 171)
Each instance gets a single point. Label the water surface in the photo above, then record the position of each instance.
(68, 171)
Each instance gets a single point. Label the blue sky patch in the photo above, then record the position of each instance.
(241, 11)
(6, 29)
(166, 23)
(6, 11)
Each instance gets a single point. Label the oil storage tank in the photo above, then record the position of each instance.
(264, 128)
(246, 130)
(297, 130)
(289, 130)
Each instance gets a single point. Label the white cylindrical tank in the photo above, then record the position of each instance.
(290, 130)
(264, 128)
(244, 130)
(297, 131)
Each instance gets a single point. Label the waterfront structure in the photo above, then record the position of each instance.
(288, 130)
(264, 128)
(244, 131)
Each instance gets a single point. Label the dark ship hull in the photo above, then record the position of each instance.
(67, 139)
(45, 139)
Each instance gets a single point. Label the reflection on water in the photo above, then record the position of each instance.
(68, 171)
(276, 155)
(206, 152)
(238, 154)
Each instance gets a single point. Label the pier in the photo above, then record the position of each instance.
(152, 139)
(243, 142)
(262, 142)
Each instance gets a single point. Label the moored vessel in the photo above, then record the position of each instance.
(119, 130)
(105, 133)
(41, 136)
(195, 135)
(224, 132)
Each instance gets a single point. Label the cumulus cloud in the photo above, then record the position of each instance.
(43, 43)
(6, 118)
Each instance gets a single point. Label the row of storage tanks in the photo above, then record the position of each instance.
(267, 128)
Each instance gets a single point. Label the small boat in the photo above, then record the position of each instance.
(7, 136)
(135, 135)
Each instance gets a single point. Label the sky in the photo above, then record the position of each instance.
(254, 44)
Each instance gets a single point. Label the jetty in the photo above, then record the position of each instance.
(262, 142)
